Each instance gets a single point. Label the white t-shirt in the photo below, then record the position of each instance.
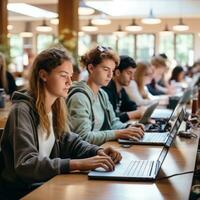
(46, 144)
(134, 94)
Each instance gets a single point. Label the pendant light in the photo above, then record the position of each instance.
(133, 27)
(119, 32)
(101, 20)
(89, 27)
(180, 26)
(27, 31)
(151, 19)
(166, 30)
(44, 27)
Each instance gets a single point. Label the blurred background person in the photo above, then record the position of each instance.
(136, 89)
(7, 81)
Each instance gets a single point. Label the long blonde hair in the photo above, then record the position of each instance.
(3, 76)
(141, 70)
(48, 60)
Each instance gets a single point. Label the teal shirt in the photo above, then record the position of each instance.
(79, 112)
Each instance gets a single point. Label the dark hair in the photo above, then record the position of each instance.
(175, 73)
(97, 55)
(126, 62)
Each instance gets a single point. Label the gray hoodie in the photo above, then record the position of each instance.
(23, 164)
(80, 114)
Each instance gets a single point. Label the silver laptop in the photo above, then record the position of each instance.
(132, 170)
(147, 114)
(158, 138)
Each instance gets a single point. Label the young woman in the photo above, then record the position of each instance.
(36, 143)
(6, 79)
(136, 89)
(91, 114)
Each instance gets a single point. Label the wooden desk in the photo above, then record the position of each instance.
(181, 158)
(4, 112)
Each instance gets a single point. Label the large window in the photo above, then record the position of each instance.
(16, 52)
(166, 44)
(145, 46)
(84, 42)
(44, 41)
(107, 41)
(184, 44)
(126, 46)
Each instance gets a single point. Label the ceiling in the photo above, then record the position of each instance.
(131, 8)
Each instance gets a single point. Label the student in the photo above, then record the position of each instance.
(90, 112)
(178, 74)
(136, 89)
(124, 108)
(159, 68)
(6, 79)
(37, 144)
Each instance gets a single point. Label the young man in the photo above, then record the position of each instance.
(124, 108)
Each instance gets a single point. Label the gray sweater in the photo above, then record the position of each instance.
(80, 114)
(20, 149)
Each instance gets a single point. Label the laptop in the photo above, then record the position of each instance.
(139, 170)
(132, 170)
(147, 114)
(152, 138)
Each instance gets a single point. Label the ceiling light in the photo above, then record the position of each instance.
(54, 21)
(9, 27)
(84, 9)
(151, 19)
(30, 10)
(181, 26)
(166, 30)
(133, 27)
(26, 34)
(119, 32)
(44, 27)
(101, 20)
(89, 27)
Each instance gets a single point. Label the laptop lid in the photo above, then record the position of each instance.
(147, 114)
(161, 159)
(175, 128)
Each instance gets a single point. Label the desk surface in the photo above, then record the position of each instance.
(181, 158)
(4, 112)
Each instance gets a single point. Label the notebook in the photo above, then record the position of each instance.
(132, 170)
(158, 138)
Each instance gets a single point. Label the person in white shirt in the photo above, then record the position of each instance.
(136, 89)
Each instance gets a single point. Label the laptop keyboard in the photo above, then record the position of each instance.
(154, 137)
(139, 168)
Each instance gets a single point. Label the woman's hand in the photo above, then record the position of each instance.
(109, 151)
(92, 163)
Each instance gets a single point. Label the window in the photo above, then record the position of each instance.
(44, 41)
(145, 46)
(84, 42)
(16, 52)
(126, 45)
(107, 41)
(184, 48)
(166, 44)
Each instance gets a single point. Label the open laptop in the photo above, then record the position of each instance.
(139, 170)
(158, 138)
(147, 114)
(133, 170)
